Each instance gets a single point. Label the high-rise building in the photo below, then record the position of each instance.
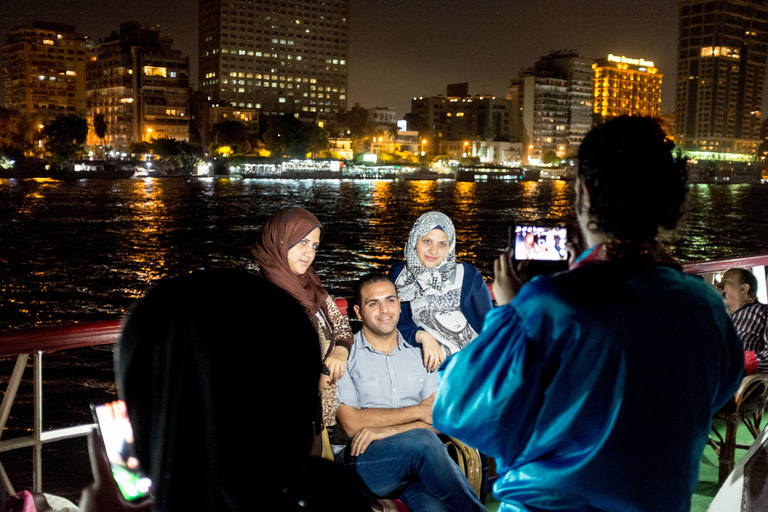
(274, 56)
(552, 102)
(140, 84)
(722, 53)
(626, 86)
(44, 70)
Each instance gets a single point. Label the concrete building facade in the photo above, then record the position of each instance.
(275, 57)
(722, 52)
(552, 102)
(44, 71)
(460, 118)
(140, 84)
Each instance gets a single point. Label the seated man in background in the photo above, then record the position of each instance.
(385, 406)
(739, 289)
(574, 385)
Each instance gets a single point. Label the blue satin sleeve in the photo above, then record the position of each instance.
(527, 379)
(484, 384)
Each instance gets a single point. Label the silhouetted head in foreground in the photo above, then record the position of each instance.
(219, 373)
(634, 184)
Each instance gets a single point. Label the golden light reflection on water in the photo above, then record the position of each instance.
(383, 242)
(143, 250)
(465, 220)
(35, 198)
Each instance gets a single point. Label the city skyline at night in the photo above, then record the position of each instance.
(398, 50)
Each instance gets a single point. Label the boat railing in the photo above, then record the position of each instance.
(35, 342)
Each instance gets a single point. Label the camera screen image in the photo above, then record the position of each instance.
(540, 243)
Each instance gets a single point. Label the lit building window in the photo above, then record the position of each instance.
(155, 71)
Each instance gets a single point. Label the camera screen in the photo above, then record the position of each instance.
(118, 441)
(540, 243)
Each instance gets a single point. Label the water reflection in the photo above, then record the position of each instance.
(77, 251)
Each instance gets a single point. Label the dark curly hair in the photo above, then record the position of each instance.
(634, 183)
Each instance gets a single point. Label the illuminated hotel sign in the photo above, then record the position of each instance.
(627, 60)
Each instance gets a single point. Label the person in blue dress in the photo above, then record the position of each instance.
(444, 303)
(594, 388)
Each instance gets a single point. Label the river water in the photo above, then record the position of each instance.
(76, 251)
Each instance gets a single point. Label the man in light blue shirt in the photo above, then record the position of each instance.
(385, 407)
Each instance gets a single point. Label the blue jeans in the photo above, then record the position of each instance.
(415, 467)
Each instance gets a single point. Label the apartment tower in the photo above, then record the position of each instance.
(44, 70)
(722, 53)
(277, 57)
(140, 84)
(552, 102)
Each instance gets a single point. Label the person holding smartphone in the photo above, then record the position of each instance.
(444, 303)
(212, 430)
(594, 388)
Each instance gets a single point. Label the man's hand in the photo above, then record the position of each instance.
(426, 406)
(506, 283)
(433, 355)
(367, 435)
(103, 495)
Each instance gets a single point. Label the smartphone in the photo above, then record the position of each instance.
(543, 243)
(115, 430)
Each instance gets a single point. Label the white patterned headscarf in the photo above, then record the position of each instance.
(416, 279)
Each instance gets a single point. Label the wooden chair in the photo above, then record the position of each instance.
(467, 458)
(746, 407)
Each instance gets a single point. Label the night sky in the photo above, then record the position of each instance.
(401, 49)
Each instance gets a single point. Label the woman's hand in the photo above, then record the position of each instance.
(325, 383)
(506, 282)
(433, 355)
(337, 362)
(103, 495)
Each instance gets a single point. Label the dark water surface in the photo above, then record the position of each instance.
(76, 251)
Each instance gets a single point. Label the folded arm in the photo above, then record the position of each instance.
(368, 425)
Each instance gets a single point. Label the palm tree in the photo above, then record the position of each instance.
(392, 131)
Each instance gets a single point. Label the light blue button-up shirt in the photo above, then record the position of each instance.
(385, 381)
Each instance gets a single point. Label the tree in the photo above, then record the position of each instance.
(64, 138)
(232, 134)
(100, 127)
(175, 155)
(549, 157)
(286, 136)
(317, 139)
(393, 131)
(139, 148)
(15, 134)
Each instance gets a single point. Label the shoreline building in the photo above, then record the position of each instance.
(553, 102)
(722, 52)
(44, 70)
(274, 57)
(140, 84)
(443, 121)
(626, 86)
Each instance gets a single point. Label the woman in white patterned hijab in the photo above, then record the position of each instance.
(418, 276)
(433, 288)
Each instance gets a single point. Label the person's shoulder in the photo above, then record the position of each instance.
(395, 270)
(358, 340)
(469, 269)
